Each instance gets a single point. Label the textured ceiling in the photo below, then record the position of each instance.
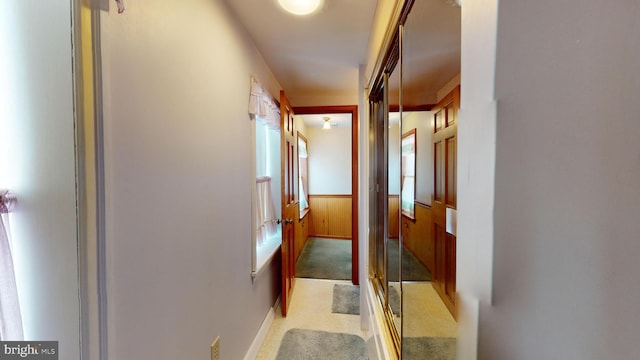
(319, 54)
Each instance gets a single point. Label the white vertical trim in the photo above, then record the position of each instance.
(103, 112)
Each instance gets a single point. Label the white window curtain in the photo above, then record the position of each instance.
(264, 110)
(10, 317)
(302, 174)
(266, 213)
(303, 195)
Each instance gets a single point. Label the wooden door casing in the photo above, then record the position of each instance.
(445, 125)
(353, 233)
(289, 204)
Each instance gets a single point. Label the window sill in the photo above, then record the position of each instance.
(304, 213)
(409, 215)
(266, 253)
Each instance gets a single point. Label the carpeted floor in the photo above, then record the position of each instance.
(412, 268)
(311, 310)
(394, 300)
(428, 347)
(346, 299)
(425, 315)
(325, 259)
(302, 344)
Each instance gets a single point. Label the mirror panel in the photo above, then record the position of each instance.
(378, 210)
(393, 190)
(408, 198)
(430, 61)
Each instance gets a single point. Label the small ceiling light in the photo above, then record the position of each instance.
(300, 7)
(326, 125)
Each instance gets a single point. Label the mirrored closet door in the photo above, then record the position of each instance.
(413, 121)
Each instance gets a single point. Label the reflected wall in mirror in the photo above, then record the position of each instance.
(303, 177)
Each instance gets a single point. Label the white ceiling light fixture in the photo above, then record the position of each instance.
(300, 7)
(326, 125)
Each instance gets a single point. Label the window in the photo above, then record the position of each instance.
(266, 200)
(408, 173)
(10, 316)
(303, 178)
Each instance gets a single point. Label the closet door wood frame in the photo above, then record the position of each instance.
(445, 124)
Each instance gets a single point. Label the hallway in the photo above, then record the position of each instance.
(310, 309)
(124, 141)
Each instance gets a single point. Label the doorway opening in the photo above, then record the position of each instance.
(332, 215)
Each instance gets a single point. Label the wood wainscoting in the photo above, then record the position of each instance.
(394, 216)
(417, 235)
(301, 234)
(330, 216)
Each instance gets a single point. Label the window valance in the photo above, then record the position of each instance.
(262, 107)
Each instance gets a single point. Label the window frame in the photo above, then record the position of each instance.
(303, 181)
(408, 212)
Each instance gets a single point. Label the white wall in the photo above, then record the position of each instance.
(394, 160)
(37, 159)
(329, 161)
(567, 182)
(179, 182)
(301, 127)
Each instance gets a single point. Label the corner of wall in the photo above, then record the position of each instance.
(447, 88)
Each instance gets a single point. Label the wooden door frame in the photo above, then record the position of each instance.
(353, 110)
(288, 184)
(448, 131)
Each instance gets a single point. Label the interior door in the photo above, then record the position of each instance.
(445, 127)
(289, 206)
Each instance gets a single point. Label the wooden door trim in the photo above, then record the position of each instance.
(289, 204)
(443, 245)
(353, 110)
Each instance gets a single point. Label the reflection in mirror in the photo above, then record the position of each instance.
(393, 191)
(420, 68)
(377, 180)
(384, 145)
(303, 178)
(408, 170)
(430, 69)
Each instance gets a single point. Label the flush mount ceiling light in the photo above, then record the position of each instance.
(300, 7)
(326, 125)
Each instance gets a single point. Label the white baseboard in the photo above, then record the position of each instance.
(261, 335)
